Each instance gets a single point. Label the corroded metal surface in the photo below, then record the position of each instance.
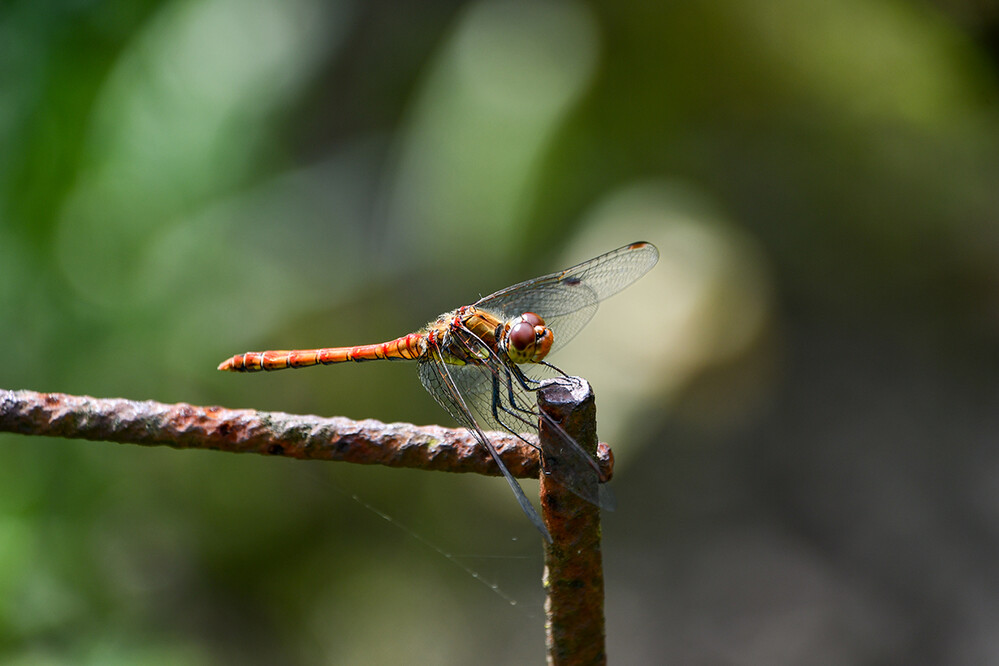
(186, 426)
(573, 578)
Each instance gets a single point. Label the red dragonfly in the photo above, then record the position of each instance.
(483, 362)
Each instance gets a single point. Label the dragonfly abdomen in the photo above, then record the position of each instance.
(406, 348)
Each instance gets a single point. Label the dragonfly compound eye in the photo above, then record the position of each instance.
(522, 339)
(528, 340)
(532, 319)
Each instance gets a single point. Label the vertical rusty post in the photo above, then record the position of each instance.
(573, 578)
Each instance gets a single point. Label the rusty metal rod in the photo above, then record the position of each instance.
(184, 426)
(573, 577)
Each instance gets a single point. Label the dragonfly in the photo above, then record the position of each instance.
(484, 362)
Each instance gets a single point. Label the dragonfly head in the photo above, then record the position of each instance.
(526, 339)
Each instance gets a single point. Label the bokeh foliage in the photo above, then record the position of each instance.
(801, 396)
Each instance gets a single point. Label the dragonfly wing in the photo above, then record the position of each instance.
(499, 401)
(438, 378)
(568, 299)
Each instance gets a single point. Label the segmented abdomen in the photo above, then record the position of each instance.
(406, 348)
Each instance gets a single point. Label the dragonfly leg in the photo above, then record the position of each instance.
(531, 384)
(523, 380)
(552, 367)
(516, 413)
(526, 415)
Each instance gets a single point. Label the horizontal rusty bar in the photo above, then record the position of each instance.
(184, 426)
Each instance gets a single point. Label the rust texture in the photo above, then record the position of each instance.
(184, 426)
(573, 578)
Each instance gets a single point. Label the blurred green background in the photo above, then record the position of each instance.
(802, 397)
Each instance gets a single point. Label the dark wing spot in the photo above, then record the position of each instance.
(573, 281)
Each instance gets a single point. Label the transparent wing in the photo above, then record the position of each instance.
(438, 378)
(497, 400)
(568, 299)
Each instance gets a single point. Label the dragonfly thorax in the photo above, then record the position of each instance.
(526, 339)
